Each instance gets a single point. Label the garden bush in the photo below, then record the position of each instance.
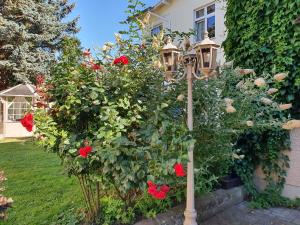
(121, 129)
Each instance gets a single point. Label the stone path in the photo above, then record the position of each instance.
(242, 215)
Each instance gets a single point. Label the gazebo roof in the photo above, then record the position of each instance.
(25, 90)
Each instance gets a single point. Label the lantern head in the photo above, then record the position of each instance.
(207, 55)
(170, 58)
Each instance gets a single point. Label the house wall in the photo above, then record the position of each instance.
(292, 185)
(179, 16)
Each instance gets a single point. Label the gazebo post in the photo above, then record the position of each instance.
(5, 115)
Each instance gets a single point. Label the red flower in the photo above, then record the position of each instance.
(83, 152)
(165, 188)
(87, 53)
(121, 60)
(40, 79)
(124, 60)
(179, 170)
(96, 67)
(158, 194)
(27, 122)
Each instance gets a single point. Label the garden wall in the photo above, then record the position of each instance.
(292, 185)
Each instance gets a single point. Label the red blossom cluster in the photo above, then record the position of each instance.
(158, 192)
(40, 79)
(121, 60)
(85, 151)
(95, 66)
(27, 122)
(161, 192)
(41, 91)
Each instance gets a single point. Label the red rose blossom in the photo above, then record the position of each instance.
(40, 79)
(160, 195)
(27, 122)
(179, 170)
(121, 60)
(84, 151)
(96, 67)
(155, 193)
(165, 188)
(87, 53)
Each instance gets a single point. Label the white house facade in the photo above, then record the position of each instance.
(186, 15)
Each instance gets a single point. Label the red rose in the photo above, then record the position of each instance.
(165, 188)
(124, 60)
(117, 61)
(96, 67)
(152, 190)
(83, 152)
(179, 170)
(87, 53)
(160, 195)
(150, 183)
(27, 122)
(121, 60)
(40, 79)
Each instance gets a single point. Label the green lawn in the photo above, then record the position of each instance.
(37, 184)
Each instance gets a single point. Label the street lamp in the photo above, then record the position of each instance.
(201, 59)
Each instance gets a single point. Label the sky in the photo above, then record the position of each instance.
(99, 20)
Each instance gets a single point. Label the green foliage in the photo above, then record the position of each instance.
(30, 35)
(271, 198)
(263, 148)
(262, 35)
(68, 217)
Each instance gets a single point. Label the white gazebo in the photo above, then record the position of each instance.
(14, 103)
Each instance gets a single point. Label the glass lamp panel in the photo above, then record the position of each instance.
(168, 61)
(175, 61)
(206, 57)
(214, 58)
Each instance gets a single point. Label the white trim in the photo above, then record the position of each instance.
(30, 88)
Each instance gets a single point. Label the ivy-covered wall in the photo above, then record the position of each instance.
(264, 35)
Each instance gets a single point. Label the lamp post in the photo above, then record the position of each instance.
(201, 59)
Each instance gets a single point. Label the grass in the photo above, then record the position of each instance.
(37, 184)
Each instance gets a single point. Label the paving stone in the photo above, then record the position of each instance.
(241, 214)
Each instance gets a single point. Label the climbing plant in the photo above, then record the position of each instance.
(263, 35)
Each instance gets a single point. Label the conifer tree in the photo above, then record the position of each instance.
(30, 35)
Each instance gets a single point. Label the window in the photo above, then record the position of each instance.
(156, 30)
(17, 107)
(205, 20)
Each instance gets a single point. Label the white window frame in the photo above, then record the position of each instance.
(160, 25)
(18, 112)
(204, 18)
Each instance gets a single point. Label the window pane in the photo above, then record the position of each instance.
(211, 24)
(199, 13)
(200, 28)
(211, 9)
